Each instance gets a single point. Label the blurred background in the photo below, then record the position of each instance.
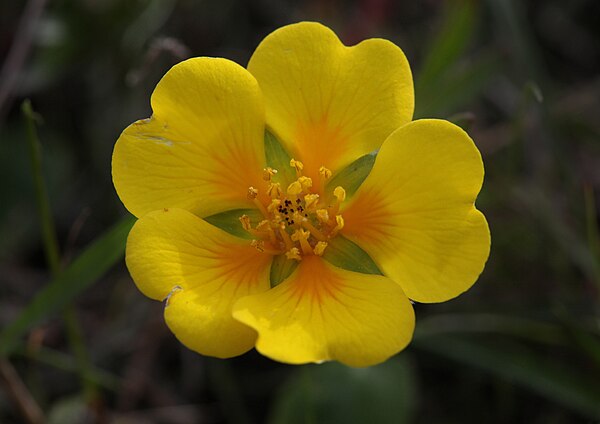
(80, 344)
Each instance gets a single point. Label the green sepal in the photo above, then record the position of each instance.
(229, 221)
(352, 176)
(278, 158)
(281, 268)
(346, 254)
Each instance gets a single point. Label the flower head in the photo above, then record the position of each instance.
(264, 219)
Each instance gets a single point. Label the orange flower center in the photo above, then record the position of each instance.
(297, 222)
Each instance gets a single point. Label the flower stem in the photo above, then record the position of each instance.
(51, 250)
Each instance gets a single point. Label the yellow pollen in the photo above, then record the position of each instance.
(274, 190)
(339, 224)
(301, 236)
(252, 193)
(322, 215)
(273, 206)
(296, 222)
(294, 189)
(258, 244)
(339, 193)
(268, 173)
(262, 247)
(293, 253)
(324, 172)
(298, 165)
(320, 248)
(305, 182)
(245, 220)
(310, 201)
(263, 225)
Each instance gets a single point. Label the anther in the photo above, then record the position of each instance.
(339, 193)
(258, 244)
(274, 190)
(245, 220)
(294, 188)
(268, 172)
(320, 248)
(293, 253)
(324, 173)
(339, 224)
(298, 165)
(305, 182)
(310, 201)
(313, 230)
(252, 193)
(323, 215)
(302, 236)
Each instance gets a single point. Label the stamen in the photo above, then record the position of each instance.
(310, 201)
(294, 188)
(313, 230)
(252, 193)
(323, 215)
(339, 224)
(324, 173)
(320, 248)
(302, 237)
(274, 191)
(340, 196)
(261, 246)
(245, 220)
(339, 193)
(305, 182)
(286, 237)
(298, 165)
(274, 206)
(268, 172)
(293, 253)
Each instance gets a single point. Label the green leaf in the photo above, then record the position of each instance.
(552, 379)
(352, 176)
(333, 393)
(346, 254)
(229, 221)
(83, 272)
(278, 158)
(281, 268)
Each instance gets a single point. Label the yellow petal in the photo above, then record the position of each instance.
(203, 146)
(327, 103)
(414, 213)
(201, 271)
(323, 313)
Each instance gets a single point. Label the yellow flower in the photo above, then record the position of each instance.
(201, 160)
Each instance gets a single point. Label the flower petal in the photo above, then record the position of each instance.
(201, 271)
(203, 146)
(414, 214)
(322, 313)
(330, 104)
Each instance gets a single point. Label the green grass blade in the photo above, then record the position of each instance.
(83, 272)
(450, 42)
(511, 362)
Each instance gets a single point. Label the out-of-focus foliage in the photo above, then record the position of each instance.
(522, 346)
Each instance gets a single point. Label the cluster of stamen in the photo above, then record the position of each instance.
(296, 222)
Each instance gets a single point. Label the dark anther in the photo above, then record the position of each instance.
(298, 201)
(291, 211)
(292, 222)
